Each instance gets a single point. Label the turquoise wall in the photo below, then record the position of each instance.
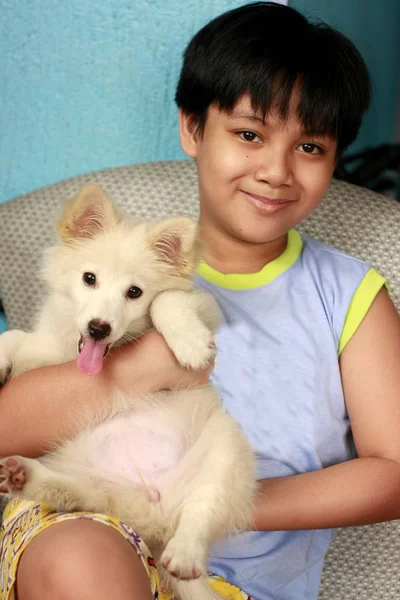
(87, 84)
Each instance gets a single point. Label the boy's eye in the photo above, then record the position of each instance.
(309, 148)
(249, 136)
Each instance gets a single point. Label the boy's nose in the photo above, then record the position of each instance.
(275, 170)
(98, 330)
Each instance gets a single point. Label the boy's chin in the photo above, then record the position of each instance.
(257, 236)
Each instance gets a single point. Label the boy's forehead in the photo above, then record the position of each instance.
(243, 110)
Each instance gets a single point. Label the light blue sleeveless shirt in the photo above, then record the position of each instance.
(277, 370)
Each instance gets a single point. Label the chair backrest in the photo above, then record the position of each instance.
(363, 562)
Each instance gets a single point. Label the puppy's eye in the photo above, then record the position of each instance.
(89, 278)
(134, 292)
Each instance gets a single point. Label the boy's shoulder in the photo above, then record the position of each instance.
(327, 252)
(338, 279)
(346, 286)
(319, 255)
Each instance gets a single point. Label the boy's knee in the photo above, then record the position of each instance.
(69, 560)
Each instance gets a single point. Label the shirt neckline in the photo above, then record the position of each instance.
(247, 281)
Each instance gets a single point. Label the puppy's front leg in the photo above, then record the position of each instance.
(9, 344)
(21, 351)
(186, 320)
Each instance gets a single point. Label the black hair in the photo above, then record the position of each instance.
(263, 49)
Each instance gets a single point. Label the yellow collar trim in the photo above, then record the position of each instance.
(247, 281)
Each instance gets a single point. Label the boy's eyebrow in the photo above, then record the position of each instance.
(248, 116)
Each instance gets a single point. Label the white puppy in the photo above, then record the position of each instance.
(173, 465)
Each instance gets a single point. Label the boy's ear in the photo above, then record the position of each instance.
(188, 134)
(89, 213)
(176, 244)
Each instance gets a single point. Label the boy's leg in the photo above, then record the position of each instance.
(81, 559)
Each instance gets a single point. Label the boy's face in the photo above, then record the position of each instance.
(257, 179)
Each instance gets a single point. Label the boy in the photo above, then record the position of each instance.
(310, 339)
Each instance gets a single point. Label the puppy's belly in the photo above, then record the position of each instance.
(140, 447)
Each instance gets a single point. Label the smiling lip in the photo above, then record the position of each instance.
(266, 205)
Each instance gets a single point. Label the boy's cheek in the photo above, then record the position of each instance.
(316, 180)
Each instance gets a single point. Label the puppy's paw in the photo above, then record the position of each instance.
(184, 560)
(13, 475)
(194, 347)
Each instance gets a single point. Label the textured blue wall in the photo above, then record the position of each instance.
(87, 84)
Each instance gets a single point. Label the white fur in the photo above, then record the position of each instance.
(173, 465)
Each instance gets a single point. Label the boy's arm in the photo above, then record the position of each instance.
(367, 489)
(39, 406)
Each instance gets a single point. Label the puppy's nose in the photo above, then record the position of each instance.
(98, 329)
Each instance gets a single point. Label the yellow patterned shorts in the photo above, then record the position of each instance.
(24, 520)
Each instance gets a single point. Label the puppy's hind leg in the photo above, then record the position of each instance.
(186, 552)
(218, 499)
(29, 479)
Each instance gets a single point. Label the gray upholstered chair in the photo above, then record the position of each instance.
(363, 563)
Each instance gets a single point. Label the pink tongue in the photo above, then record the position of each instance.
(90, 359)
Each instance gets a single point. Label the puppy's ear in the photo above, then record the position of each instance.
(176, 244)
(89, 213)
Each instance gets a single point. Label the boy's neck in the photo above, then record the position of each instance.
(230, 255)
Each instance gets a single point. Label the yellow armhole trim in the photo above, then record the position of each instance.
(360, 304)
(248, 281)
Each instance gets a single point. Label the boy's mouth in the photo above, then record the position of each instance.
(266, 205)
(91, 355)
